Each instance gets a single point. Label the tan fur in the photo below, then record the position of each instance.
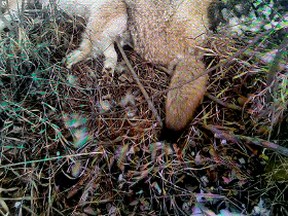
(184, 97)
(103, 28)
(165, 32)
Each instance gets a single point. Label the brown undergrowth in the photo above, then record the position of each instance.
(78, 143)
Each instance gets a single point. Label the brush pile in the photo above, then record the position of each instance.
(77, 143)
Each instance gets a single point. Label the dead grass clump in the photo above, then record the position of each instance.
(73, 143)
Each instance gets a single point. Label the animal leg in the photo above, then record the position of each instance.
(105, 43)
(79, 54)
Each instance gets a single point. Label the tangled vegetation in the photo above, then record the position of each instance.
(75, 143)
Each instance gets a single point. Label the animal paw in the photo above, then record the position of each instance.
(73, 58)
(109, 65)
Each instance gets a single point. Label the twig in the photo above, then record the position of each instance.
(137, 80)
(230, 106)
(219, 133)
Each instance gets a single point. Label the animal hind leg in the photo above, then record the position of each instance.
(110, 59)
(112, 29)
(101, 32)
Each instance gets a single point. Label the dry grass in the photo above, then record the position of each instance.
(73, 144)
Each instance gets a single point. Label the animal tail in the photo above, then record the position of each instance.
(188, 86)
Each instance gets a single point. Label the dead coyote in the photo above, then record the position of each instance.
(167, 32)
(164, 32)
